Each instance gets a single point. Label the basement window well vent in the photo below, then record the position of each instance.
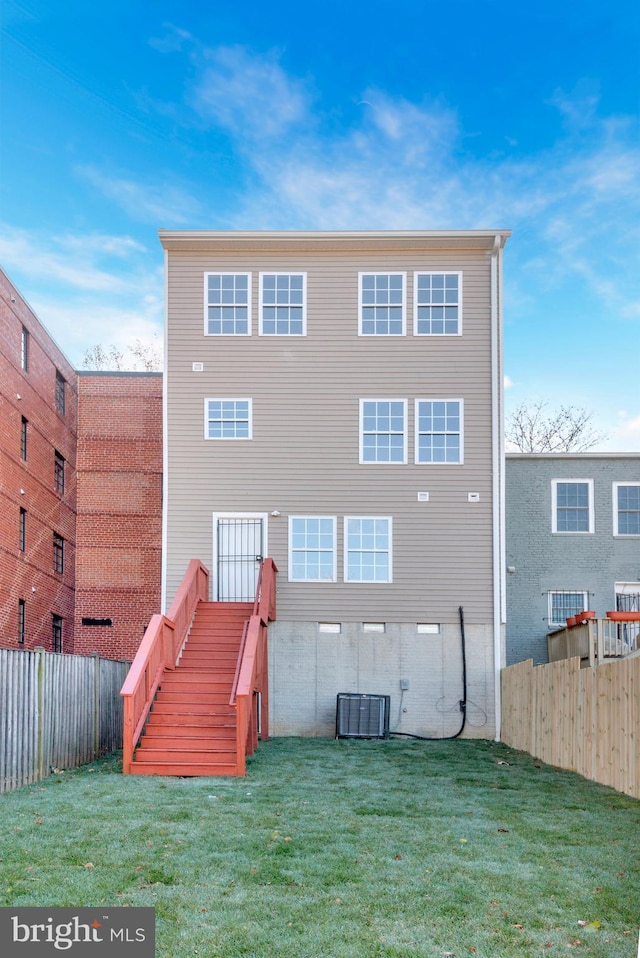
(362, 716)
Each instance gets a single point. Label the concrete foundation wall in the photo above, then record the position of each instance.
(309, 667)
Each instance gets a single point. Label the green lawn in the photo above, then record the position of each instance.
(342, 849)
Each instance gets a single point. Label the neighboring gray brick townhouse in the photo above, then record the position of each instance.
(573, 542)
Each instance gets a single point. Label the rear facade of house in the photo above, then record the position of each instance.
(333, 401)
(573, 542)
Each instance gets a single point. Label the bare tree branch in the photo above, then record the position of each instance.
(146, 357)
(530, 428)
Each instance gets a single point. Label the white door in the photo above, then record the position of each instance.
(239, 543)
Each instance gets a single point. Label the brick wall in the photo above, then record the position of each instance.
(119, 520)
(29, 483)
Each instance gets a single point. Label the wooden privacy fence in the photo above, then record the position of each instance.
(56, 711)
(585, 720)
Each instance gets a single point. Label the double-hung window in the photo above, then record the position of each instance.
(626, 508)
(283, 304)
(58, 473)
(312, 549)
(22, 621)
(228, 418)
(58, 553)
(22, 530)
(382, 304)
(24, 428)
(437, 304)
(367, 549)
(227, 304)
(439, 430)
(572, 505)
(24, 349)
(56, 633)
(383, 430)
(61, 401)
(563, 605)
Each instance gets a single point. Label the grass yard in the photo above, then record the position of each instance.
(340, 849)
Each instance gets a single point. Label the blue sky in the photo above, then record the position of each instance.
(118, 119)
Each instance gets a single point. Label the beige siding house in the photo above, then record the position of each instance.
(334, 401)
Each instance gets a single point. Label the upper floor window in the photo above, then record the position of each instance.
(58, 473)
(22, 621)
(283, 304)
(228, 418)
(439, 436)
(56, 633)
(22, 530)
(312, 549)
(24, 349)
(228, 304)
(564, 605)
(626, 508)
(60, 392)
(382, 304)
(437, 304)
(572, 505)
(383, 430)
(58, 553)
(23, 438)
(367, 553)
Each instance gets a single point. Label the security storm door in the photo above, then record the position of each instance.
(239, 552)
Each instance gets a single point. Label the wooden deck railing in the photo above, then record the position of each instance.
(250, 692)
(596, 640)
(159, 650)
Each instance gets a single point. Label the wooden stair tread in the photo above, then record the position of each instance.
(191, 728)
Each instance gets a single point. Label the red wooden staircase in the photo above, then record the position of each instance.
(191, 728)
(197, 690)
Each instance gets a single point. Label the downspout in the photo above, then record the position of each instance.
(165, 443)
(497, 432)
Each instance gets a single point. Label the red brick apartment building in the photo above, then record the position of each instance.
(80, 495)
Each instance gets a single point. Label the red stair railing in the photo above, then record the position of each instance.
(250, 691)
(159, 650)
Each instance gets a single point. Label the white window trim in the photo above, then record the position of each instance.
(441, 272)
(405, 444)
(554, 508)
(424, 462)
(381, 272)
(282, 272)
(209, 399)
(388, 581)
(334, 572)
(622, 535)
(552, 592)
(214, 272)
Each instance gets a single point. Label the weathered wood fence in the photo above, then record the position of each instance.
(586, 720)
(56, 711)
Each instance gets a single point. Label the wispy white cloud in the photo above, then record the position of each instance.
(78, 262)
(87, 288)
(164, 203)
(576, 204)
(252, 97)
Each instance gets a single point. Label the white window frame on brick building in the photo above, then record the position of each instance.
(627, 507)
(569, 507)
(568, 602)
